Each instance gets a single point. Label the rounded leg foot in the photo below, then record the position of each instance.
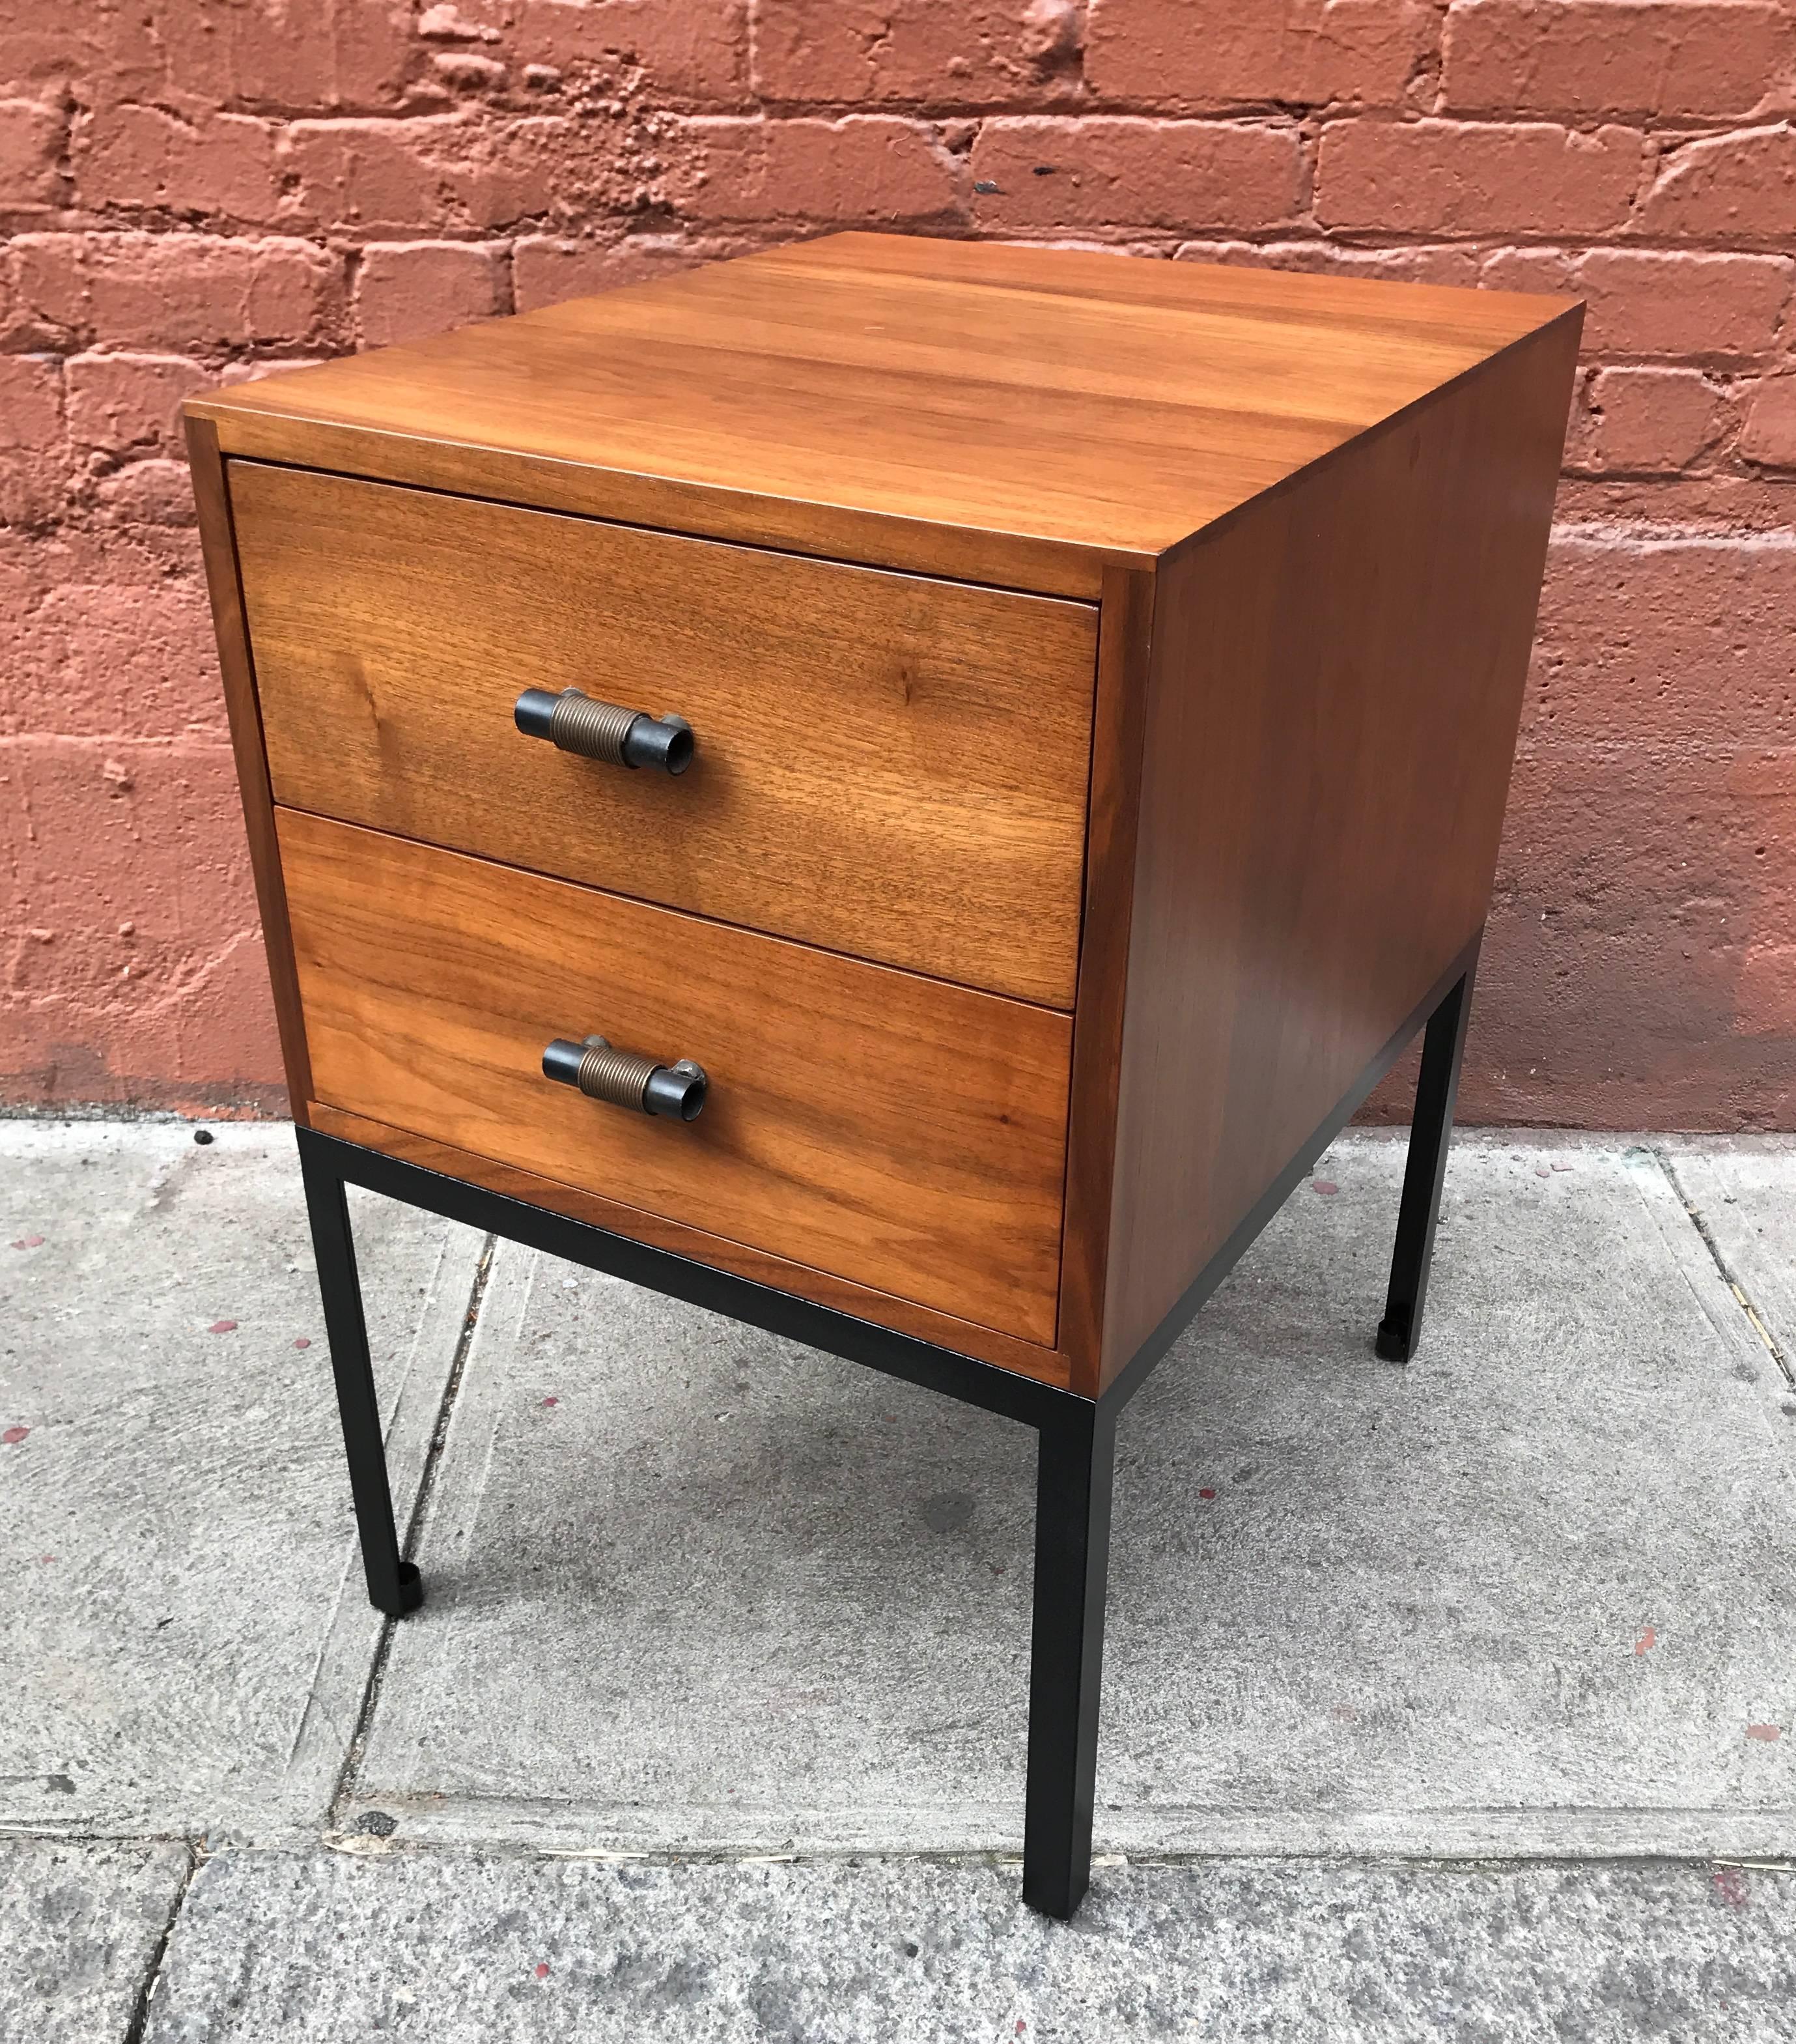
(1393, 1341)
(411, 1592)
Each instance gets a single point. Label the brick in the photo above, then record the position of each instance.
(660, 50)
(148, 492)
(33, 136)
(1620, 952)
(1769, 435)
(1665, 642)
(45, 290)
(864, 168)
(33, 466)
(1678, 59)
(325, 54)
(1180, 175)
(31, 404)
(1551, 270)
(547, 271)
(43, 48)
(405, 291)
(1642, 302)
(138, 159)
(1666, 305)
(124, 404)
(1717, 502)
(1440, 263)
(101, 832)
(462, 173)
(373, 177)
(849, 52)
(46, 51)
(1215, 53)
(670, 49)
(1444, 177)
(1648, 422)
(1738, 188)
(179, 292)
(112, 637)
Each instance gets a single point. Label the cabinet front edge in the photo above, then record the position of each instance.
(1023, 562)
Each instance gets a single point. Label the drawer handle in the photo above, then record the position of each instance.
(574, 722)
(626, 1078)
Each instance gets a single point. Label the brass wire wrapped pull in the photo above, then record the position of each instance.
(575, 722)
(626, 1078)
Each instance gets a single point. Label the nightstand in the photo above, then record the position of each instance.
(899, 790)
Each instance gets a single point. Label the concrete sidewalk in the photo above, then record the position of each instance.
(1457, 1700)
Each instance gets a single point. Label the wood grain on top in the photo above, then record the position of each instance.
(1030, 414)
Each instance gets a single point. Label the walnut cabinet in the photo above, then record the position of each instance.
(901, 790)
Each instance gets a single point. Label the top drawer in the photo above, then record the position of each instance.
(887, 766)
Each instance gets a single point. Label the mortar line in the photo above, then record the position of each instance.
(146, 1994)
(1754, 1319)
(414, 1527)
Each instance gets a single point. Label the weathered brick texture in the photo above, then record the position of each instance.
(421, 287)
(1219, 54)
(1769, 436)
(1139, 175)
(196, 190)
(1681, 59)
(938, 53)
(1466, 178)
(795, 173)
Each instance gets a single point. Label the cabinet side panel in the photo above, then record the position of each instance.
(218, 545)
(1334, 690)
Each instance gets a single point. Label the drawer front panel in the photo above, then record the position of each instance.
(897, 1132)
(892, 767)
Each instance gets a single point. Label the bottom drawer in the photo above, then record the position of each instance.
(894, 1130)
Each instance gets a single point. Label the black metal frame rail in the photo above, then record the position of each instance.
(1077, 1435)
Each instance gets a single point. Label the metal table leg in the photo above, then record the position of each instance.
(395, 1586)
(1072, 1488)
(1443, 1051)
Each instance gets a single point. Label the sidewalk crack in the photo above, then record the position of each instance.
(413, 1531)
(152, 1976)
(1662, 1159)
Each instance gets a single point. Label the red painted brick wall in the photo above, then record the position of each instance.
(191, 189)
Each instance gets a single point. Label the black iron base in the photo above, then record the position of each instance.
(1076, 1435)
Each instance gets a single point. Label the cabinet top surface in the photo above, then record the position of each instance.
(1096, 401)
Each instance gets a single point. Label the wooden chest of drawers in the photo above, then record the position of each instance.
(1093, 683)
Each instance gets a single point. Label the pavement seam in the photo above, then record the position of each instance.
(414, 1528)
(358, 1846)
(1741, 1298)
(152, 1975)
